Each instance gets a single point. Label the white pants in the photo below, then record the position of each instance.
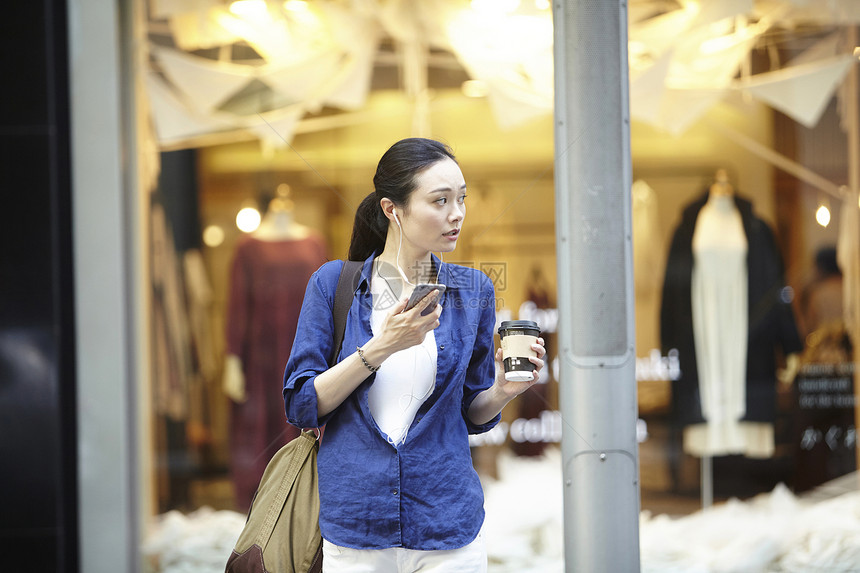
(469, 559)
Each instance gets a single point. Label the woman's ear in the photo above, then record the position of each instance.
(388, 208)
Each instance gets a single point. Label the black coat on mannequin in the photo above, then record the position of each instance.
(771, 319)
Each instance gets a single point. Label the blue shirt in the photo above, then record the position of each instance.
(423, 493)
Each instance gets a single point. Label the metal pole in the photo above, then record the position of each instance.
(594, 254)
(707, 482)
(106, 287)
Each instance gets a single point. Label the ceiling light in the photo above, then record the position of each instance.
(213, 236)
(248, 219)
(823, 215)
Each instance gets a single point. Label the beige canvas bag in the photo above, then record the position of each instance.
(282, 533)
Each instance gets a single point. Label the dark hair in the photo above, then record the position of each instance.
(394, 180)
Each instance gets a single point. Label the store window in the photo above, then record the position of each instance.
(269, 120)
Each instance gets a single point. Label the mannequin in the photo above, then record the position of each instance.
(719, 296)
(269, 274)
(277, 225)
(724, 275)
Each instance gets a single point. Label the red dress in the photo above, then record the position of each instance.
(267, 285)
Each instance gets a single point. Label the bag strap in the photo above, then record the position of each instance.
(303, 444)
(346, 285)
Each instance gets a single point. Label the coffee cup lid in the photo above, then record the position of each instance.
(518, 325)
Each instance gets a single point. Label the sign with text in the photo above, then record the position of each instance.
(825, 433)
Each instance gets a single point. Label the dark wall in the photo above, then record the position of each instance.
(38, 510)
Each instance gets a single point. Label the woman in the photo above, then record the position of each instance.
(397, 488)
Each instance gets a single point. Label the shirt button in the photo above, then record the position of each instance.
(394, 492)
(441, 347)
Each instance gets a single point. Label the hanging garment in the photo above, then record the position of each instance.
(267, 285)
(173, 368)
(770, 319)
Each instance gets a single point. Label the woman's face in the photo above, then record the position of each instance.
(436, 208)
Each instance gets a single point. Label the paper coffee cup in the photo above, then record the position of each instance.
(517, 337)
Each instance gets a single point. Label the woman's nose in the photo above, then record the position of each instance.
(457, 213)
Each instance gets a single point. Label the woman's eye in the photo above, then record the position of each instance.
(462, 198)
(442, 200)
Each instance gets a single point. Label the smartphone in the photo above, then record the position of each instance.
(422, 290)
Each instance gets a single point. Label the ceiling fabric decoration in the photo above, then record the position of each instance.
(681, 108)
(512, 54)
(357, 34)
(224, 66)
(174, 121)
(649, 85)
(206, 83)
(801, 92)
(304, 81)
(276, 129)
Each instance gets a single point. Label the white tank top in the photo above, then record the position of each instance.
(405, 380)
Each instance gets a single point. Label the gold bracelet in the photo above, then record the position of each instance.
(364, 360)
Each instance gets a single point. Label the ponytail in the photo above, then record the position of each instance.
(369, 229)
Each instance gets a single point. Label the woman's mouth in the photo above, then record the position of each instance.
(452, 234)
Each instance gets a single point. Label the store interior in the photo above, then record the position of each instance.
(275, 119)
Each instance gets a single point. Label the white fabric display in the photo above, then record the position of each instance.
(720, 326)
(406, 378)
(524, 529)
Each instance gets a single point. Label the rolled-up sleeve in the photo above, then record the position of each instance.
(310, 353)
(481, 372)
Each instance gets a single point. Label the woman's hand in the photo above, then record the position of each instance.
(513, 389)
(490, 402)
(400, 329)
(403, 328)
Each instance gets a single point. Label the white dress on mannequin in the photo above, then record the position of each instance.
(720, 326)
